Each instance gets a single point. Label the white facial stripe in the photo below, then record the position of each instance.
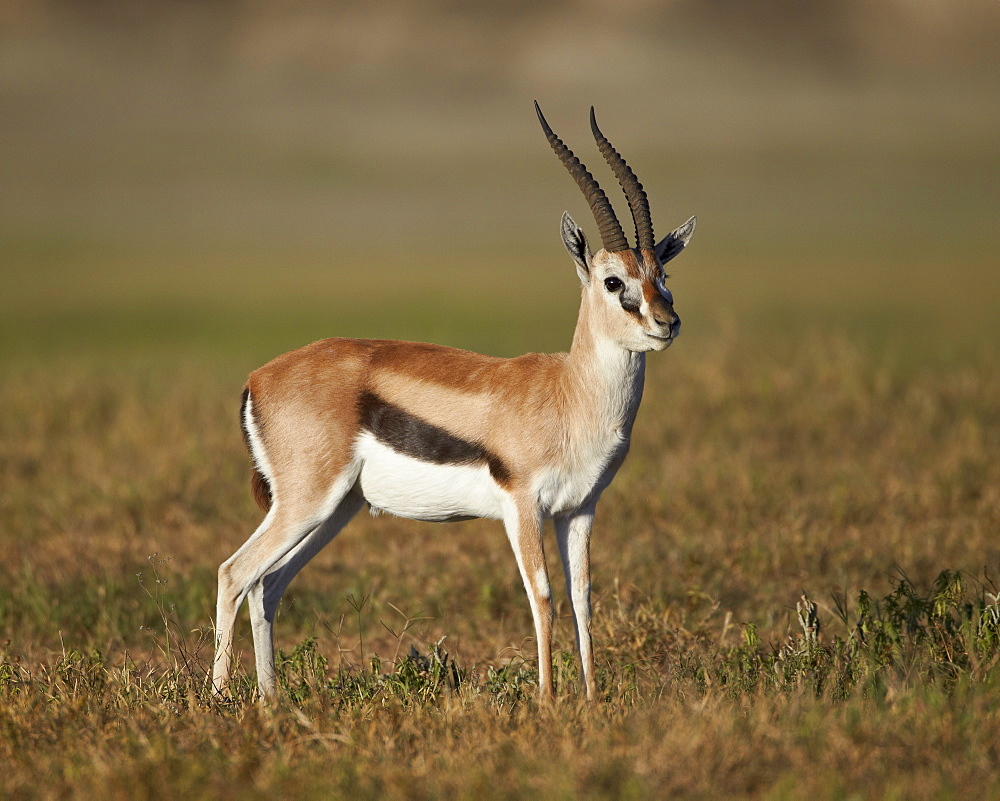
(630, 296)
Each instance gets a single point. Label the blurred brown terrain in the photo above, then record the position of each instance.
(843, 161)
(188, 189)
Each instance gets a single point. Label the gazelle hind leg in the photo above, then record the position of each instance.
(266, 593)
(230, 597)
(524, 530)
(573, 536)
(289, 522)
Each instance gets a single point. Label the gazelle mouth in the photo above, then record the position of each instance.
(662, 343)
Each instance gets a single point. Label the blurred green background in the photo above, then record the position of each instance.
(223, 181)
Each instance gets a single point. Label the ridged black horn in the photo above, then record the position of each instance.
(637, 200)
(612, 234)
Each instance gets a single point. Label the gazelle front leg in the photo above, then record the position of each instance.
(524, 530)
(573, 536)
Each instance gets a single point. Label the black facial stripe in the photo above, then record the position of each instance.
(630, 300)
(409, 435)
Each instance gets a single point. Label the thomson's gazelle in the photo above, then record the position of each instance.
(433, 433)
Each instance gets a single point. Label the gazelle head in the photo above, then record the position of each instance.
(624, 288)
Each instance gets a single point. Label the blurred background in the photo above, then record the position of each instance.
(236, 178)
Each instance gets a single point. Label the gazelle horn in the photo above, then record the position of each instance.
(637, 200)
(612, 234)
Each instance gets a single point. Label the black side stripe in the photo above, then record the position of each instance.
(409, 435)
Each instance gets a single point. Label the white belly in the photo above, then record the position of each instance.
(408, 487)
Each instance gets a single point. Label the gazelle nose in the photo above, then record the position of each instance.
(669, 319)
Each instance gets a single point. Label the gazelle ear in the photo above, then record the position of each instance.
(674, 243)
(576, 243)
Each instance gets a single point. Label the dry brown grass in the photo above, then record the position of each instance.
(756, 473)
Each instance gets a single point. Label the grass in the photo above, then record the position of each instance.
(773, 482)
(912, 713)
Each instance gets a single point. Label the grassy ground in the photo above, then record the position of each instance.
(764, 466)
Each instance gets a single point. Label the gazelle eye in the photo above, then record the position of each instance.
(613, 284)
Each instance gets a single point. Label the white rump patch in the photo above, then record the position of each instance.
(260, 459)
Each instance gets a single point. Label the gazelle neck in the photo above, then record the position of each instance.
(603, 375)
